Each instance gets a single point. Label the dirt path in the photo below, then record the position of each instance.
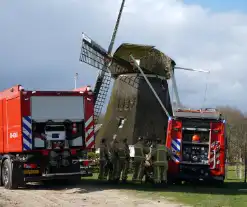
(38, 196)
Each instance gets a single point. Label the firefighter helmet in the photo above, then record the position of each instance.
(196, 138)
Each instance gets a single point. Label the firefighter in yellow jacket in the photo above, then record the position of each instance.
(139, 159)
(160, 155)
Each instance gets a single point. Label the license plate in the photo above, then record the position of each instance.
(55, 136)
(31, 172)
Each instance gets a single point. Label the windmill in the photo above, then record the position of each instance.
(127, 112)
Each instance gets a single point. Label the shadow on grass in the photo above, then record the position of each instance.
(91, 185)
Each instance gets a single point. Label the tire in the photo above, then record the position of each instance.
(1, 181)
(7, 172)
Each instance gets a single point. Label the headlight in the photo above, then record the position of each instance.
(66, 154)
(65, 162)
(53, 154)
(194, 158)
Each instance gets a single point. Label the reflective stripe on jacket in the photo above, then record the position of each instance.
(139, 152)
(160, 154)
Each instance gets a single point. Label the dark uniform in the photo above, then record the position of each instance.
(160, 157)
(124, 158)
(140, 152)
(114, 157)
(103, 160)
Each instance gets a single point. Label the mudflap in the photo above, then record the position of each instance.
(17, 173)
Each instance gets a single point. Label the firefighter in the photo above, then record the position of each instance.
(114, 157)
(104, 159)
(124, 157)
(160, 156)
(140, 151)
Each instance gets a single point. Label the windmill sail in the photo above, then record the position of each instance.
(95, 55)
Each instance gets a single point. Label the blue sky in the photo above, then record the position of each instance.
(221, 5)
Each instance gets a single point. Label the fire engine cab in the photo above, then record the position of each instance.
(197, 142)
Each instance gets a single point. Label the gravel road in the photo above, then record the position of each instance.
(80, 195)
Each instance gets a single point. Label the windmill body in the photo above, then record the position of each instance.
(133, 110)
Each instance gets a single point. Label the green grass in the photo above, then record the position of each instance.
(233, 193)
(205, 196)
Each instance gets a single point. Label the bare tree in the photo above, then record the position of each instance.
(236, 129)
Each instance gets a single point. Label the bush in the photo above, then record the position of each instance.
(92, 156)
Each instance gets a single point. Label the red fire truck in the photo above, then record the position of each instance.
(44, 134)
(197, 141)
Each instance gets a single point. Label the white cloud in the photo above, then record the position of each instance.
(42, 39)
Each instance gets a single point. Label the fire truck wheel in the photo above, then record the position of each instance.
(1, 180)
(7, 172)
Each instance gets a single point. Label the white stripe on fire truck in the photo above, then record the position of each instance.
(176, 144)
(89, 136)
(90, 141)
(27, 132)
(89, 131)
(88, 121)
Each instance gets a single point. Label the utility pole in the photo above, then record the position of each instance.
(76, 78)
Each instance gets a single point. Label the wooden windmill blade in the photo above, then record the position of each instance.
(96, 56)
(93, 54)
